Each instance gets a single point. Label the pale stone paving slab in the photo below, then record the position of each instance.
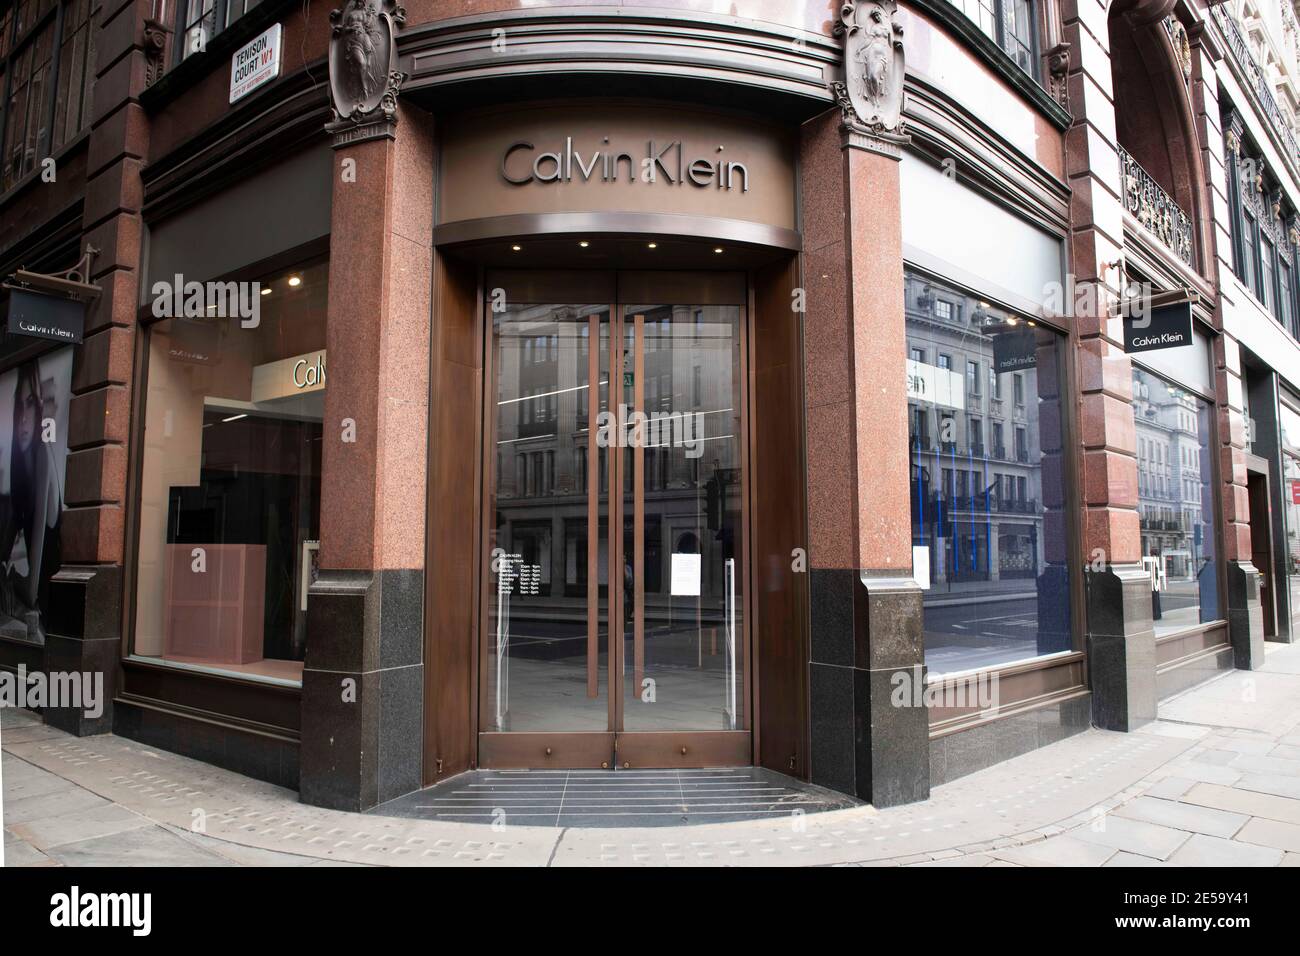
(1183, 816)
(1271, 833)
(1244, 801)
(1219, 758)
(1133, 836)
(1205, 773)
(1249, 700)
(1171, 788)
(70, 800)
(1132, 859)
(142, 846)
(1058, 851)
(1202, 850)
(1269, 783)
(49, 831)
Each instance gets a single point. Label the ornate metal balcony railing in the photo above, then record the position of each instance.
(1155, 209)
(1256, 79)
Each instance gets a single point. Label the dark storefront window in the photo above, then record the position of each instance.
(988, 521)
(230, 499)
(1176, 502)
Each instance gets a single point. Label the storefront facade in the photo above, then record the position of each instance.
(569, 387)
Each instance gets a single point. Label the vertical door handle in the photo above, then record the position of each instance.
(638, 510)
(593, 511)
(730, 584)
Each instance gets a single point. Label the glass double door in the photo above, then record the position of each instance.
(614, 632)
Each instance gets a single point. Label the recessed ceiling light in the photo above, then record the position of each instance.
(718, 249)
(266, 291)
(584, 243)
(652, 245)
(516, 248)
(234, 418)
(295, 281)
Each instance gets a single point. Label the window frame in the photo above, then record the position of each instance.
(1264, 255)
(221, 20)
(14, 45)
(1208, 397)
(999, 8)
(238, 700)
(1075, 659)
(1031, 8)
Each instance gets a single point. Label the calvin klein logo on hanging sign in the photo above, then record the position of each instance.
(1166, 327)
(662, 162)
(46, 316)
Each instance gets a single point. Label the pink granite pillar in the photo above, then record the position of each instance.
(1121, 640)
(84, 630)
(365, 617)
(866, 609)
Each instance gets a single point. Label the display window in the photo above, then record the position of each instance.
(988, 498)
(231, 481)
(1290, 419)
(1176, 502)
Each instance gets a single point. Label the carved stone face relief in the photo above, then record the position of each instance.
(873, 64)
(362, 57)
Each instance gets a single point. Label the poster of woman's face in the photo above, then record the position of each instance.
(34, 399)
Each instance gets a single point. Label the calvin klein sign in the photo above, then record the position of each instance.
(1165, 327)
(662, 162)
(46, 316)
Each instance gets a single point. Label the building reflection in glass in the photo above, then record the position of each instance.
(1290, 420)
(1175, 501)
(988, 496)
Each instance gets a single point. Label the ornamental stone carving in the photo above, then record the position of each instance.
(1182, 46)
(1058, 70)
(871, 95)
(155, 50)
(363, 78)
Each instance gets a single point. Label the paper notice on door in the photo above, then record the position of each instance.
(686, 575)
(921, 567)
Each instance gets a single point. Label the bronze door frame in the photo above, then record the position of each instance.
(616, 747)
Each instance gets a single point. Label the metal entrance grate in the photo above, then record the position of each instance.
(614, 798)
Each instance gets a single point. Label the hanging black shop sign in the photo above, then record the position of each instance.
(52, 306)
(44, 316)
(1015, 349)
(1162, 327)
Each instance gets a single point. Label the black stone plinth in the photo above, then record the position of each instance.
(83, 635)
(1245, 615)
(866, 650)
(362, 689)
(1121, 647)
